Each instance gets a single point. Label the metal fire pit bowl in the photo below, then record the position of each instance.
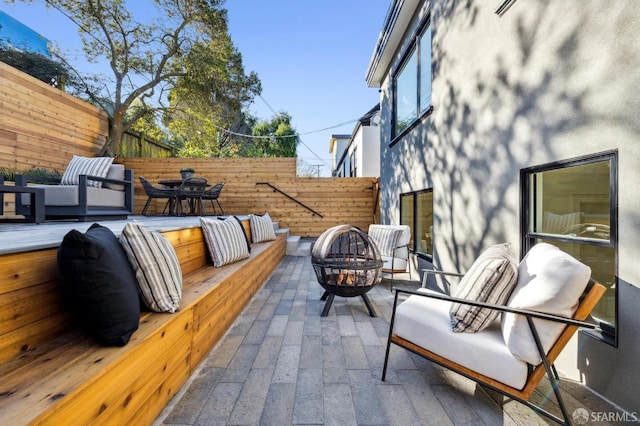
(347, 264)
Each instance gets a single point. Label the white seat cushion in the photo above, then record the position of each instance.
(397, 264)
(67, 195)
(426, 323)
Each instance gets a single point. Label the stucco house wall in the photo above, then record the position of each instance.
(368, 151)
(547, 81)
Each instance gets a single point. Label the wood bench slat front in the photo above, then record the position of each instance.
(70, 379)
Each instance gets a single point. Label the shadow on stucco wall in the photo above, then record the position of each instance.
(546, 82)
(493, 114)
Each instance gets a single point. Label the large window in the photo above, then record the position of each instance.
(416, 210)
(412, 82)
(573, 205)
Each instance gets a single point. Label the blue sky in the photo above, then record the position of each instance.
(311, 57)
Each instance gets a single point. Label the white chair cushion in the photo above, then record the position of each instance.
(395, 264)
(425, 322)
(97, 166)
(491, 279)
(549, 281)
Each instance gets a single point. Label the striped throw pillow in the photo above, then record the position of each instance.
(261, 228)
(244, 231)
(491, 279)
(385, 237)
(156, 265)
(225, 240)
(98, 166)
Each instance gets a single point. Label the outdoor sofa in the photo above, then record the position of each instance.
(84, 192)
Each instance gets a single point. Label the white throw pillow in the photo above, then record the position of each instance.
(97, 166)
(491, 279)
(261, 228)
(156, 265)
(549, 281)
(225, 239)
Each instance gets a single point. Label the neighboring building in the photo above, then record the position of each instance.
(338, 147)
(521, 128)
(20, 37)
(358, 154)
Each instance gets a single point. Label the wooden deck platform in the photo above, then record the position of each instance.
(16, 238)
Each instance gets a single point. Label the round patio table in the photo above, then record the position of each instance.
(195, 186)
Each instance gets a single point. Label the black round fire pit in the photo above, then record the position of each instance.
(347, 263)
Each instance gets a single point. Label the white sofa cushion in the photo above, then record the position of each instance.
(67, 195)
(491, 279)
(386, 237)
(97, 166)
(426, 323)
(116, 171)
(549, 281)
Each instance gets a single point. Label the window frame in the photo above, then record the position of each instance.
(528, 238)
(413, 244)
(353, 166)
(413, 49)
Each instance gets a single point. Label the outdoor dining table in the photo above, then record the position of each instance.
(196, 186)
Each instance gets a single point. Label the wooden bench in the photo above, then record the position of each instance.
(54, 373)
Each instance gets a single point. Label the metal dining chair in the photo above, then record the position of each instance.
(154, 192)
(191, 192)
(211, 194)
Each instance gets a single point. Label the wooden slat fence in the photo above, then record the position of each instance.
(135, 145)
(339, 200)
(43, 127)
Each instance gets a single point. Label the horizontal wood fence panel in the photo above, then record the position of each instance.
(338, 200)
(43, 127)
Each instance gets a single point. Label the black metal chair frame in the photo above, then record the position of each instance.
(153, 192)
(82, 212)
(191, 191)
(35, 213)
(212, 194)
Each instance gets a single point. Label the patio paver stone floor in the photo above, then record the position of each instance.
(281, 363)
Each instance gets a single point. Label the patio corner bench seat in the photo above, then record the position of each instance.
(53, 373)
